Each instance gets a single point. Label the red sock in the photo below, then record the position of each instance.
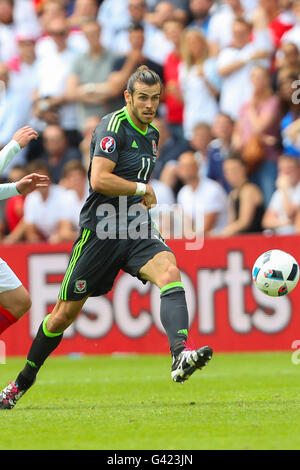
(6, 319)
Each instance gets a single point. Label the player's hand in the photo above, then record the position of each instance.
(135, 57)
(283, 182)
(149, 198)
(24, 135)
(30, 182)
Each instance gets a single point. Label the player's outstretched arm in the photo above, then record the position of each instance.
(25, 186)
(20, 139)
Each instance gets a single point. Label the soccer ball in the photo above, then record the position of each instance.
(275, 273)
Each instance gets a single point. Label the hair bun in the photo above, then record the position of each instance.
(143, 75)
(142, 67)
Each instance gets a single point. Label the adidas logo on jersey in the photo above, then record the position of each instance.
(134, 145)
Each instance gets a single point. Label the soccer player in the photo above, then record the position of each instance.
(123, 154)
(14, 298)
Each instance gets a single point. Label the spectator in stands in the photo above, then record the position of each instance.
(57, 152)
(46, 215)
(246, 201)
(219, 149)
(48, 11)
(46, 44)
(196, 82)
(277, 18)
(200, 198)
(87, 133)
(287, 57)
(51, 105)
(235, 64)
(119, 20)
(201, 138)
(74, 180)
(165, 214)
(26, 18)
(24, 60)
(83, 9)
(164, 193)
(14, 209)
(172, 95)
(163, 11)
(136, 12)
(87, 81)
(156, 46)
(156, 16)
(289, 94)
(201, 16)
(7, 30)
(24, 68)
(293, 134)
(124, 66)
(219, 33)
(285, 203)
(293, 34)
(198, 144)
(258, 130)
(15, 112)
(168, 150)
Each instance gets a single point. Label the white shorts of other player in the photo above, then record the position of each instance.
(8, 279)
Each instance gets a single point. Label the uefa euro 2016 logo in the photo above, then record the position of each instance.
(108, 144)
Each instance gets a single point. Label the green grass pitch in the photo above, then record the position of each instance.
(240, 401)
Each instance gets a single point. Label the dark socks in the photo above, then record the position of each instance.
(42, 346)
(174, 316)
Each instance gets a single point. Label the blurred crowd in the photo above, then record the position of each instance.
(229, 117)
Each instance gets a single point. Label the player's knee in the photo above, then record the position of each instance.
(59, 322)
(170, 274)
(62, 316)
(21, 306)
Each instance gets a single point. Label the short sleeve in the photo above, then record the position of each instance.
(274, 203)
(217, 198)
(30, 208)
(226, 57)
(214, 30)
(108, 143)
(75, 67)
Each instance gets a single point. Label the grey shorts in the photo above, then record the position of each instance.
(95, 263)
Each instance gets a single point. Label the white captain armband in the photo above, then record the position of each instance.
(8, 190)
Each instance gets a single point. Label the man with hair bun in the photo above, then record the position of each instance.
(117, 233)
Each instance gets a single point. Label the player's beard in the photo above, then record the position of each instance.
(138, 117)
